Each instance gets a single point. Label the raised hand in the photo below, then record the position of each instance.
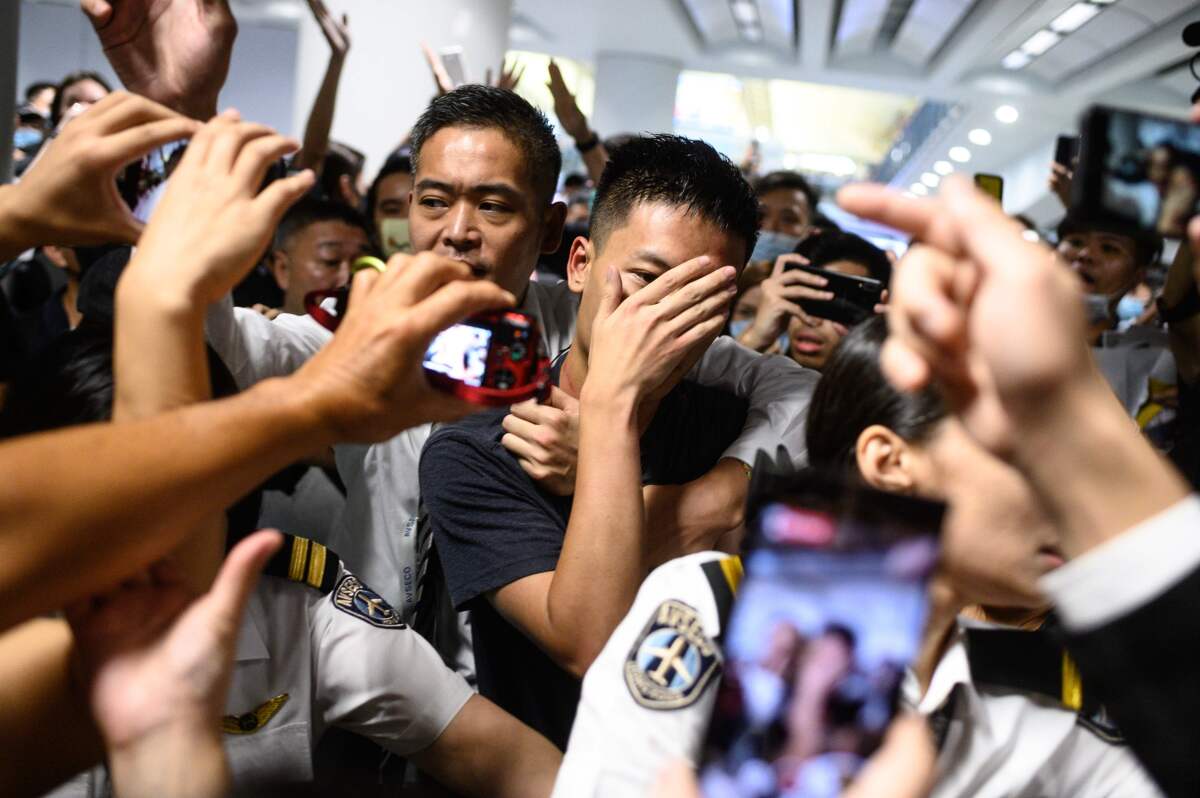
(337, 33)
(69, 196)
(213, 222)
(545, 440)
(441, 78)
(156, 665)
(565, 108)
(780, 294)
(508, 78)
(176, 52)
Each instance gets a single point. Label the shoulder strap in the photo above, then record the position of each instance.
(306, 561)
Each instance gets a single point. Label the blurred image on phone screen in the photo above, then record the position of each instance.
(827, 619)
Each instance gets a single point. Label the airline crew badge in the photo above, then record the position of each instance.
(354, 598)
(673, 659)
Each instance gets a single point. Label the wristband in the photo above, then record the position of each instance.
(588, 144)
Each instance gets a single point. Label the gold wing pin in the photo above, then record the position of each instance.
(255, 719)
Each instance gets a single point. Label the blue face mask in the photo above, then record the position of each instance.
(1130, 308)
(771, 245)
(25, 138)
(736, 328)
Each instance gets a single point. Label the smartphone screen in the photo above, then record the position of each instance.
(461, 353)
(452, 60)
(992, 185)
(1066, 150)
(828, 617)
(1144, 169)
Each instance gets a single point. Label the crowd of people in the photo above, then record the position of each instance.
(241, 553)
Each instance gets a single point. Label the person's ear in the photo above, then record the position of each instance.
(885, 460)
(278, 260)
(579, 264)
(552, 230)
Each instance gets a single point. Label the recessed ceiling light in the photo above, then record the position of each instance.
(930, 179)
(980, 136)
(1015, 60)
(943, 168)
(960, 154)
(744, 11)
(1040, 42)
(1007, 114)
(919, 189)
(1074, 18)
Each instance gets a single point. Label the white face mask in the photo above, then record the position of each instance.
(394, 236)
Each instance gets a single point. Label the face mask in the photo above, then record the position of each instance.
(771, 245)
(394, 237)
(736, 328)
(25, 138)
(1129, 308)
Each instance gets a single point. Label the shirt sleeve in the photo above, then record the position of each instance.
(384, 683)
(255, 348)
(490, 525)
(778, 390)
(1097, 588)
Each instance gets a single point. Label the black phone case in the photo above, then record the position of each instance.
(854, 298)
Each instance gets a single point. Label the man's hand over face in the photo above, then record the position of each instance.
(993, 319)
(213, 222)
(70, 195)
(367, 384)
(545, 440)
(642, 345)
(176, 52)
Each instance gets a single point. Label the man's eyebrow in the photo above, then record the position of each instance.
(503, 189)
(652, 258)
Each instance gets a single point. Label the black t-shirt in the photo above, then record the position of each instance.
(493, 525)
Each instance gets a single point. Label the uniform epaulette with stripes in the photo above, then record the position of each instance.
(724, 576)
(303, 560)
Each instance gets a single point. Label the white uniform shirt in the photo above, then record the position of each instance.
(628, 727)
(376, 536)
(1009, 744)
(303, 664)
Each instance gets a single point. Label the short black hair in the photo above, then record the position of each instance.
(36, 88)
(311, 211)
(394, 165)
(477, 106)
(675, 171)
(56, 109)
(341, 160)
(1147, 244)
(853, 394)
(793, 181)
(830, 246)
(575, 180)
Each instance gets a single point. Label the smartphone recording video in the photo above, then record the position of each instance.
(854, 297)
(827, 619)
(460, 353)
(1138, 169)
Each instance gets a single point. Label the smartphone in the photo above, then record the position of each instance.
(1138, 169)
(992, 185)
(491, 359)
(453, 62)
(1066, 150)
(854, 298)
(829, 615)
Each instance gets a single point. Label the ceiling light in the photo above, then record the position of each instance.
(1007, 114)
(1074, 17)
(1040, 42)
(980, 136)
(840, 165)
(918, 189)
(1015, 60)
(744, 11)
(960, 154)
(943, 168)
(930, 179)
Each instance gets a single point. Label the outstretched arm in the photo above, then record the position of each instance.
(320, 119)
(576, 125)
